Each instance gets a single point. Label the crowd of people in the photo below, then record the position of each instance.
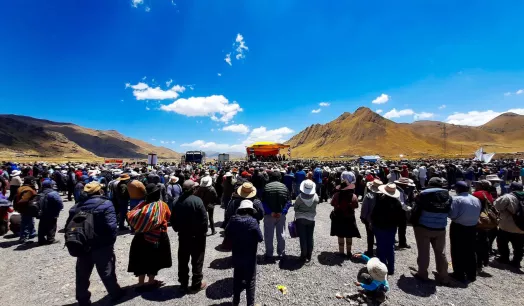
(146, 200)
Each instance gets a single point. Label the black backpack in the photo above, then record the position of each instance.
(80, 232)
(518, 217)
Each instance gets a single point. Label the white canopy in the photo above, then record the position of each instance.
(483, 157)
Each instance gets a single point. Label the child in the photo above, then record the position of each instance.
(373, 278)
(244, 233)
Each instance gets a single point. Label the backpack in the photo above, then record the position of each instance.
(36, 205)
(21, 204)
(488, 218)
(80, 232)
(518, 217)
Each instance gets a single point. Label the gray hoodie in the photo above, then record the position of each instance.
(306, 207)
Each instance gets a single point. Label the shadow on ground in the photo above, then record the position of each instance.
(412, 286)
(221, 289)
(222, 263)
(330, 259)
(291, 263)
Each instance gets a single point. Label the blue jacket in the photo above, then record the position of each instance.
(288, 181)
(245, 235)
(52, 204)
(317, 176)
(104, 219)
(299, 177)
(431, 209)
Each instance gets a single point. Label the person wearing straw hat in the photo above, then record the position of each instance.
(305, 211)
(406, 187)
(343, 222)
(244, 233)
(385, 218)
(370, 199)
(246, 191)
(209, 196)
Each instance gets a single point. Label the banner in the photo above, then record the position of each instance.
(114, 161)
(152, 159)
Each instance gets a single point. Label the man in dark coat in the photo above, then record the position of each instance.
(102, 253)
(206, 192)
(122, 200)
(50, 205)
(71, 182)
(189, 220)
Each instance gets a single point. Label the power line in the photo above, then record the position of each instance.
(445, 137)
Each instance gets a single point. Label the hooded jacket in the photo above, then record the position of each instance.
(508, 205)
(306, 206)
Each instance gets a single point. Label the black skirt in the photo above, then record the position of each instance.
(344, 225)
(147, 259)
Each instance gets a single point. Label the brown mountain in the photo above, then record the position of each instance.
(366, 132)
(23, 135)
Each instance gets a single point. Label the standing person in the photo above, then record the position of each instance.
(71, 182)
(407, 195)
(370, 199)
(14, 184)
(150, 249)
(317, 179)
(300, 175)
(305, 211)
(522, 174)
(464, 213)
(189, 220)
(288, 180)
(79, 188)
(206, 192)
(50, 206)
(21, 203)
(174, 190)
(122, 200)
(244, 233)
(385, 218)
(508, 205)
(137, 192)
(482, 245)
(343, 222)
(430, 218)
(102, 254)
(422, 175)
(276, 202)
(228, 187)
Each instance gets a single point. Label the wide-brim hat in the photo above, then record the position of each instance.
(228, 174)
(247, 190)
(493, 178)
(151, 189)
(124, 177)
(175, 179)
(206, 181)
(16, 173)
(92, 187)
(373, 186)
(246, 204)
(308, 187)
(405, 181)
(390, 190)
(377, 269)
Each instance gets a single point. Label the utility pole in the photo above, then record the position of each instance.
(445, 137)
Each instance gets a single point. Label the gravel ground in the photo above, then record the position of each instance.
(46, 275)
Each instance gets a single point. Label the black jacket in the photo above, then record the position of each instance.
(276, 197)
(189, 216)
(387, 212)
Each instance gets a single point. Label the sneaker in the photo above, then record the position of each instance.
(195, 289)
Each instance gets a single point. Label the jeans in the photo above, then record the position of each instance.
(46, 230)
(437, 240)
(194, 248)
(104, 260)
(462, 244)
(386, 246)
(27, 225)
(270, 226)
(305, 229)
(244, 279)
(517, 241)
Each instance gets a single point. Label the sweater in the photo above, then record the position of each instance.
(276, 198)
(508, 205)
(306, 206)
(244, 233)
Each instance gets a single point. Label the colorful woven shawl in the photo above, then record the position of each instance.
(150, 219)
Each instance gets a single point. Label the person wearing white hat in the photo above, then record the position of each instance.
(305, 211)
(244, 233)
(14, 184)
(174, 190)
(373, 279)
(386, 216)
(207, 193)
(370, 198)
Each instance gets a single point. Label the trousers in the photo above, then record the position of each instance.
(402, 227)
(305, 229)
(122, 213)
(517, 241)
(270, 226)
(244, 279)
(27, 227)
(462, 243)
(437, 240)
(210, 213)
(369, 237)
(386, 246)
(104, 260)
(191, 248)
(482, 248)
(46, 230)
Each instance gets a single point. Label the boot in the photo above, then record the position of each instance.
(349, 243)
(341, 245)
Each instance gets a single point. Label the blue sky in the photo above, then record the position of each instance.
(156, 69)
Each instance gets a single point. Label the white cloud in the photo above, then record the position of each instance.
(173, 142)
(383, 98)
(136, 3)
(228, 59)
(476, 118)
(237, 128)
(191, 87)
(520, 91)
(200, 144)
(212, 130)
(168, 83)
(142, 91)
(324, 104)
(316, 111)
(147, 108)
(379, 111)
(423, 115)
(153, 139)
(443, 106)
(122, 100)
(219, 74)
(161, 141)
(241, 47)
(507, 94)
(205, 107)
(395, 114)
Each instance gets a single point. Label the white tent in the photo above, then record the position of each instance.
(483, 157)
